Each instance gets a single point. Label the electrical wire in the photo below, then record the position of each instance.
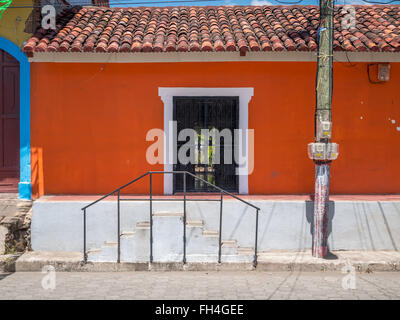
(134, 3)
(278, 1)
(289, 2)
(348, 64)
(116, 3)
(119, 2)
(378, 2)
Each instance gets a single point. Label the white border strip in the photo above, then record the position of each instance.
(208, 57)
(167, 95)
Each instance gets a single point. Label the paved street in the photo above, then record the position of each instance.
(199, 285)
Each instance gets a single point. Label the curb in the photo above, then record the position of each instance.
(79, 266)
(358, 266)
(288, 262)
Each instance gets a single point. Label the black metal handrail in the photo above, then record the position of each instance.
(185, 173)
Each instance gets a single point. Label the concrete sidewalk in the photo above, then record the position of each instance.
(362, 261)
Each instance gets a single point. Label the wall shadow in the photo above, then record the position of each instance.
(310, 220)
(37, 176)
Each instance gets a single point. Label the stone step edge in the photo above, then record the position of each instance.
(189, 224)
(127, 234)
(194, 223)
(93, 250)
(243, 251)
(110, 243)
(210, 233)
(167, 214)
(229, 243)
(143, 225)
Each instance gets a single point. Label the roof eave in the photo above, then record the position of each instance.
(146, 57)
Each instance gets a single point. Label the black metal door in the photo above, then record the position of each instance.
(207, 113)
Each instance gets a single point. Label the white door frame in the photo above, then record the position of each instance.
(167, 95)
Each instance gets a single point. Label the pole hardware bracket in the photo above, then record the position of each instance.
(323, 151)
(324, 130)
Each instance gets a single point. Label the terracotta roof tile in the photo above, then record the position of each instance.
(224, 28)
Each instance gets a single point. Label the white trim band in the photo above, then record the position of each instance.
(148, 57)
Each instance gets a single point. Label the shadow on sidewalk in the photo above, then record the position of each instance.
(310, 220)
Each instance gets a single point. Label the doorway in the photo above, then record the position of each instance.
(9, 122)
(199, 113)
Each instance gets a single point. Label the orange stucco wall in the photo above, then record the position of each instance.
(89, 124)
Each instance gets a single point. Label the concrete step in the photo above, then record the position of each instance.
(229, 244)
(93, 250)
(194, 223)
(110, 243)
(213, 258)
(236, 258)
(201, 245)
(211, 233)
(107, 253)
(143, 225)
(242, 251)
(229, 247)
(127, 233)
(198, 244)
(167, 214)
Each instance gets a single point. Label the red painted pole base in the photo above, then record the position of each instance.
(321, 209)
(319, 252)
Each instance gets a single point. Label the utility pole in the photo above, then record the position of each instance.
(322, 151)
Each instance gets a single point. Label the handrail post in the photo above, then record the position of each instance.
(220, 228)
(184, 217)
(151, 218)
(185, 174)
(84, 237)
(256, 241)
(119, 231)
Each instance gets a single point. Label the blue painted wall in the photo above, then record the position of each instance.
(25, 189)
